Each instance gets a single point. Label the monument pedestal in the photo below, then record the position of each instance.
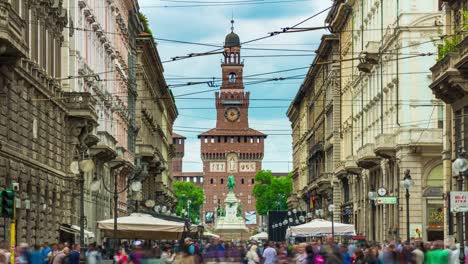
(230, 224)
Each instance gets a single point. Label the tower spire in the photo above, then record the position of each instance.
(232, 21)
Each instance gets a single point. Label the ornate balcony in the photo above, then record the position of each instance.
(81, 105)
(450, 74)
(351, 166)
(366, 157)
(422, 138)
(105, 150)
(385, 145)
(12, 27)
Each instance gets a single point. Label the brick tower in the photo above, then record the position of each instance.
(232, 147)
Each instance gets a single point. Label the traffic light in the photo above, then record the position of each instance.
(8, 203)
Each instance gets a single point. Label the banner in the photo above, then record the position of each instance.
(250, 218)
(209, 217)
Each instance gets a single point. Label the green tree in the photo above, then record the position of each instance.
(271, 193)
(185, 192)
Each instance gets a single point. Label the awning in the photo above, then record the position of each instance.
(144, 226)
(210, 235)
(320, 227)
(260, 236)
(74, 229)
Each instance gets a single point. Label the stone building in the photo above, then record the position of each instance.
(386, 127)
(35, 122)
(232, 147)
(316, 132)
(449, 84)
(156, 113)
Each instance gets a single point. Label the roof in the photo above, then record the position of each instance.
(232, 132)
(232, 40)
(188, 174)
(175, 135)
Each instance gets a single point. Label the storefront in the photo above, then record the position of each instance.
(434, 205)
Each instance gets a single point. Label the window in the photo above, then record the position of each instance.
(222, 181)
(245, 139)
(187, 179)
(232, 140)
(258, 139)
(195, 179)
(252, 181)
(212, 140)
(242, 181)
(219, 139)
(440, 116)
(225, 139)
(211, 181)
(458, 129)
(206, 139)
(201, 179)
(232, 77)
(251, 140)
(239, 139)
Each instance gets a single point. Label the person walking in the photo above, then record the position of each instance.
(92, 256)
(62, 257)
(45, 251)
(438, 255)
(4, 253)
(252, 256)
(74, 255)
(36, 255)
(167, 257)
(269, 254)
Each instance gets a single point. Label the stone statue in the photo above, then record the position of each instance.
(232, 165)
(239, 210)
(231, 183)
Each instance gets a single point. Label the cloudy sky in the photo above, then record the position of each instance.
(202, 21)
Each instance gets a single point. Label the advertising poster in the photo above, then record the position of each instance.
(250, 218)
(209, 217)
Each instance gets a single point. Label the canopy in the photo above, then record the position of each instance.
(260, 236)
(143, 226)
(320, 227)
(210, 235)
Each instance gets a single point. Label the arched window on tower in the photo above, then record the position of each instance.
(232, 77)
(253, 181)
(211, 181)
(222, 181)
(242, 181)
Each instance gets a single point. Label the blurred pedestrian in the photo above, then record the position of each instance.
(45, 251)
(167, 257)
(75, 254)
(62, 257)
(137, 255)
(269, 254)
(23, 256)
(121, 256)
(93, 256)
(36, 255)
(4, 253)
(252, 256)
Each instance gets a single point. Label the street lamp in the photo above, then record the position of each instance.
(407, 183)
(85, 165)
(331, 209)
(372, 195)
(460, 167)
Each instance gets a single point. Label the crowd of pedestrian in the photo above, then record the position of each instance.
(247, 252)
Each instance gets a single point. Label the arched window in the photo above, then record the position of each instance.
(211, 181)
(253, 181)
(435, 177)
(232, 77)
(222, 181)
(242, 181)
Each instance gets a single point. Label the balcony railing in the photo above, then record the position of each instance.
(366, 157)
(81, 104)
(105, 149)
(385, 145)
(12, 32)
(450, 74)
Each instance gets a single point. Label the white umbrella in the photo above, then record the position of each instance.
(320, 227)
(260, 236)
(143, 226)
(210, 235)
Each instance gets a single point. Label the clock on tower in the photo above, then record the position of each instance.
(232, 147)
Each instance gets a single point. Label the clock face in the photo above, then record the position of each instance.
(382, 191)
(232, 114)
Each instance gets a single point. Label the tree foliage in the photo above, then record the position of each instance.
(271, 193)
(187, 191)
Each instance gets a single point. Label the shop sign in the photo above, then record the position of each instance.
(386, 200)
(458, 202)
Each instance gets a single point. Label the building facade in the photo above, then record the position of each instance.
(387, 128)
(449, 84)
(36, 125)
(232, 148)
(317, 135)
(156, 113)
